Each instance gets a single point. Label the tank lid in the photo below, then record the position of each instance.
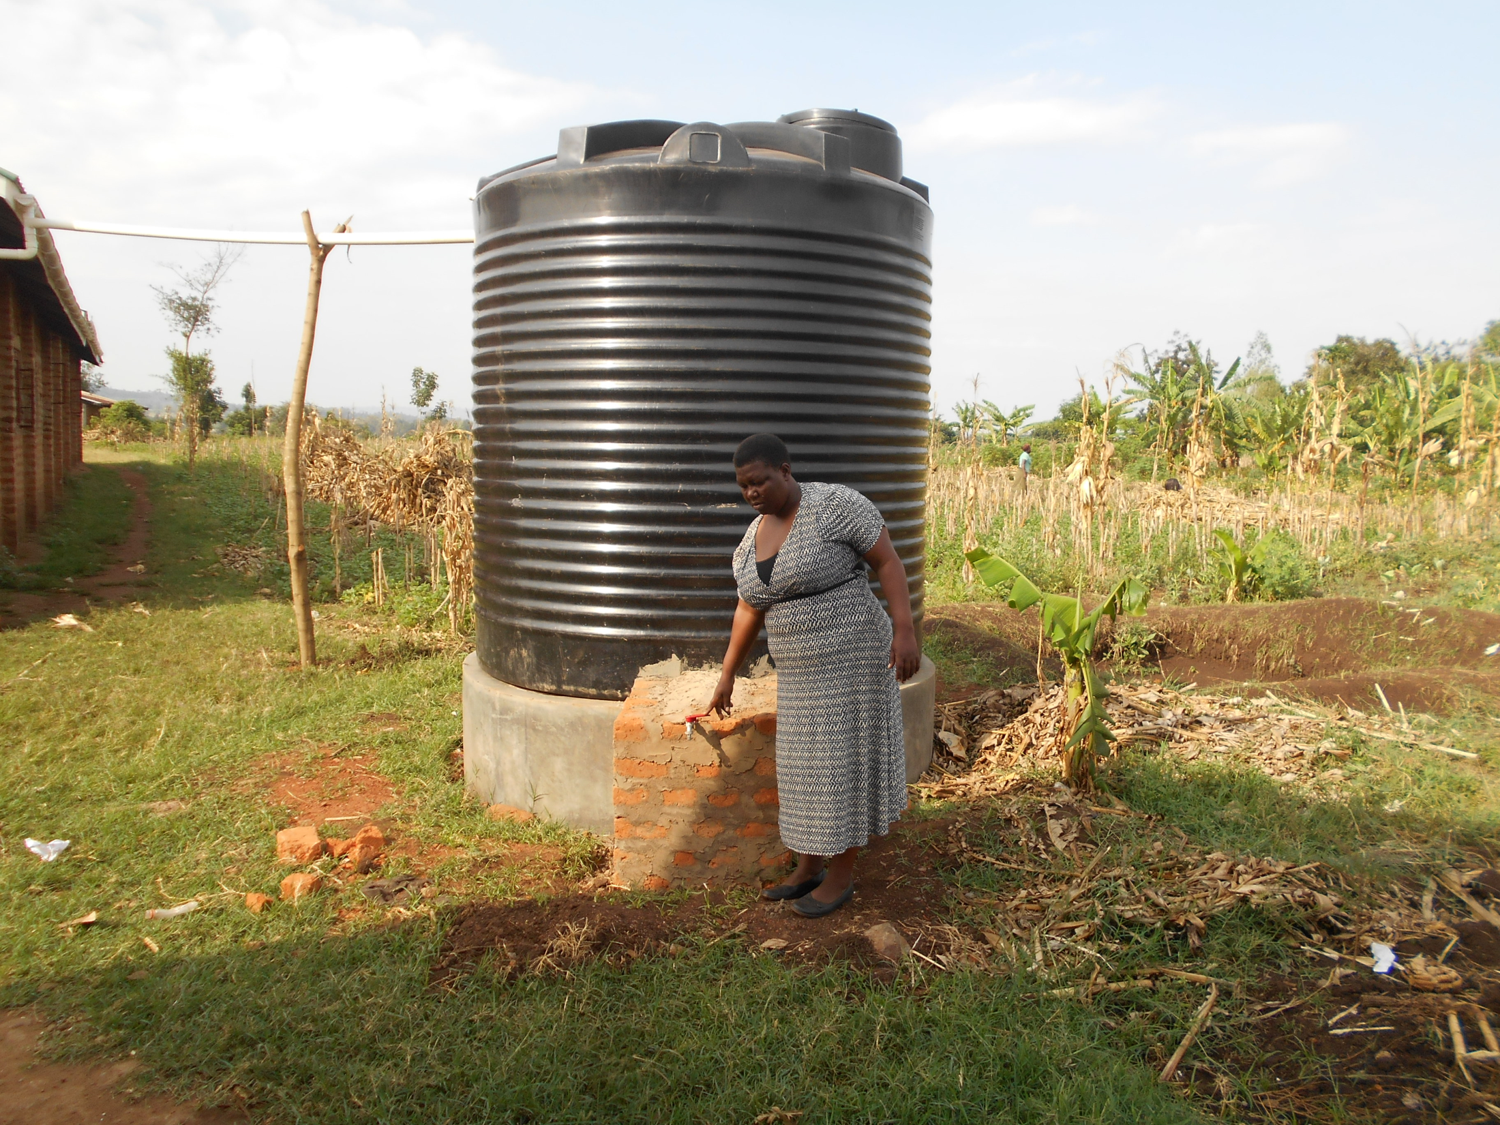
(835, 116)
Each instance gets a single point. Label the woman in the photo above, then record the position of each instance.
(840, 750)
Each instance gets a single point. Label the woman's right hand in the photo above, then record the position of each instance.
(723, 699)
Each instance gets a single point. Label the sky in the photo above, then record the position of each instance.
(1102, 175)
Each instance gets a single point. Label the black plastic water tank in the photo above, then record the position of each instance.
(642, 301)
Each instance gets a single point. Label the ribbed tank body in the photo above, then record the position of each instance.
(634, 319)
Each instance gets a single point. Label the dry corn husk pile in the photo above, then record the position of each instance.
(242, 560)
(1082, 889)
(427, 488)
(1051, 919)
(982, 742)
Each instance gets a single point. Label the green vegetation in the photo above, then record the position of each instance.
(1071, 632)
(93, 519)
(157, 744)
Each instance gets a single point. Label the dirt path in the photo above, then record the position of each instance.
(115, 583)
(43, 1093)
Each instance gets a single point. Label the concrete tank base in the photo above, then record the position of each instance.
(554, 754)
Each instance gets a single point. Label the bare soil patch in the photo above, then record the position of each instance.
(1389, 1056)
(896, 882)
(35, 1092)
(333, 783)
(1336, 649)
(115, 583)
(1332, 649)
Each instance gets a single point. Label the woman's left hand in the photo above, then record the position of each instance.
(906, 654)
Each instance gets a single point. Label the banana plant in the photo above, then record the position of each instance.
(1240, 568)
(1071, 632)
(1005, 426)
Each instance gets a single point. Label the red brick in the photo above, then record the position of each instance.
(724, 800)
(646, 831)
(629, 796)
(300, 885)
(298, 845)
(257, 902)
(766, 724)
(673, 731)
(634, 767)
(679, 796)
(362, 857)
(655, 883)
(726, 726)
(630, 728)
(728, 857)
(754, 828)
(622, 828)
(684, 859)
(709, 828)
(765, 767)
(775, 859)
(767, 797)
(709, 771)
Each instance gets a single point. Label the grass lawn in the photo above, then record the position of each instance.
(156, 744)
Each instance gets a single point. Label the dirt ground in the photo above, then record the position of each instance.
(116, 583)
(896, 884)
(43, 1093)
(1332, 649)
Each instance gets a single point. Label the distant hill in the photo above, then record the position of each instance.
(155, 402)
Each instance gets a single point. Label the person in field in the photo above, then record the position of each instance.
(840, 750)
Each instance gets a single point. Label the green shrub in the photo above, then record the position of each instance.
(1286, 570)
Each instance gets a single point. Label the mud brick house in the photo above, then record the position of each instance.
(44, 338)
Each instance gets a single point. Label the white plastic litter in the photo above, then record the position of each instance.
(1492, 650)
(173, 912)
(47, 852)
(1385, 957)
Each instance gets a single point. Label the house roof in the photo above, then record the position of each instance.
(42, 278)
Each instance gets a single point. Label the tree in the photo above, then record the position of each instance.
(1488, 344)
(997, 423)
(244, 420)
(423, 387)
(189, 310)
(1363, 363)
(124, 421)
(91, 378)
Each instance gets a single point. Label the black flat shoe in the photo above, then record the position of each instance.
(793, 890)
(812, 908)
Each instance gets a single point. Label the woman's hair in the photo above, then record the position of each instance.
(768, 449)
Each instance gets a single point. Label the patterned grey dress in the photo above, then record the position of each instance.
(840, 750)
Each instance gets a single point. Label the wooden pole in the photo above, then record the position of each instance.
(291, 452)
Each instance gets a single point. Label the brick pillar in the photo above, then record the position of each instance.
(699, 807)
(50, 372)
(10, 347)
(26, 380)
(73, 411)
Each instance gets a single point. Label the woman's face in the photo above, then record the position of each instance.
(765, 489)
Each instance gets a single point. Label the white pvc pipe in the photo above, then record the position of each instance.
(27, 214)
(393, 238)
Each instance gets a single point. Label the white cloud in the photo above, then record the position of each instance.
(1014, 116)
(236, 113)
(1063, 215)
(1220, 238)
(1280, 154)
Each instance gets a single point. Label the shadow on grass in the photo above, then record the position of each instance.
(1240, 811)
(345, 1029)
